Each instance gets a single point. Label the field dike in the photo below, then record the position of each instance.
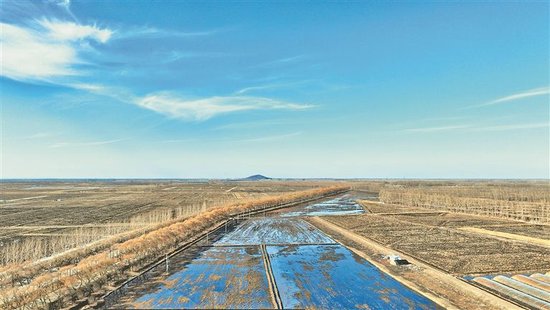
(86, 282)
(274, 291)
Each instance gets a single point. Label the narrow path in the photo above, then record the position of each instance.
(274, 291)
(508, 236)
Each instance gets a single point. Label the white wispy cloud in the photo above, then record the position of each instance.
(203, 109)
(45, 51)
(25, 55)
(177, 140)
(254, 88)
(470, 128)
(39, 135)
(174, 106)
(282, 61)
(435, 129)
(174, 56)
(254, 139)
(287, 59)
(270, 138)
(256, 124)
(512, 127)
(153, 32)
(34, 136)
(525, 94)
(63, 3)
(88, 143)
(94, 88)
(69, 31)
(271, 86)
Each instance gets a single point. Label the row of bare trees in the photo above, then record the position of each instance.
(34, 246)
(514, 191)
(528, 203)
(61, 279)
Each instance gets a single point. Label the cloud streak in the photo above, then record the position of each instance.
(512, 127)
(177, 107)
(69, 31)
(152, 32)
(270, 86)
(281, 61)
(270, 138)
(254, 139)
(436, 129)
(90, 143)
(526, 94)
(202, 109)
(470, 128)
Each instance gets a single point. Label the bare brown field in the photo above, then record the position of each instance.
(39, 219)
(439, 239)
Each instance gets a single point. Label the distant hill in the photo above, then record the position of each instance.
(256, 177)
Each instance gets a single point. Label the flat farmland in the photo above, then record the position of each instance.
(456, 243)
(52, 217)
(85, 238)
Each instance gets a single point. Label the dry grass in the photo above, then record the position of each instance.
(80, 272)
(446, 245)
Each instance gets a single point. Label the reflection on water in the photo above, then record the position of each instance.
(222, 277)
(309, 269)
(343, 205)
(331, 276)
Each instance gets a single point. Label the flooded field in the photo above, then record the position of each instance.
(275, 230)
(333, 277)
(278, 261)
(343, 205)
(220, 277)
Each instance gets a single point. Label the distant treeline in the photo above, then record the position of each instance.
(525, 201)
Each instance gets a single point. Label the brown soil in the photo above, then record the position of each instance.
(448, 242)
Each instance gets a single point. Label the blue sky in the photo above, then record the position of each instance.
(228, 89)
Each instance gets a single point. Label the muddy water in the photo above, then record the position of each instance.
(275, 230)
(333, 277)
(310, 270)
(219, 277)
(343, 205)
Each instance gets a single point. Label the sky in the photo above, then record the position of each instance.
(288, 89)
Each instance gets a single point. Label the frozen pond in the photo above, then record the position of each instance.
(308, 270)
